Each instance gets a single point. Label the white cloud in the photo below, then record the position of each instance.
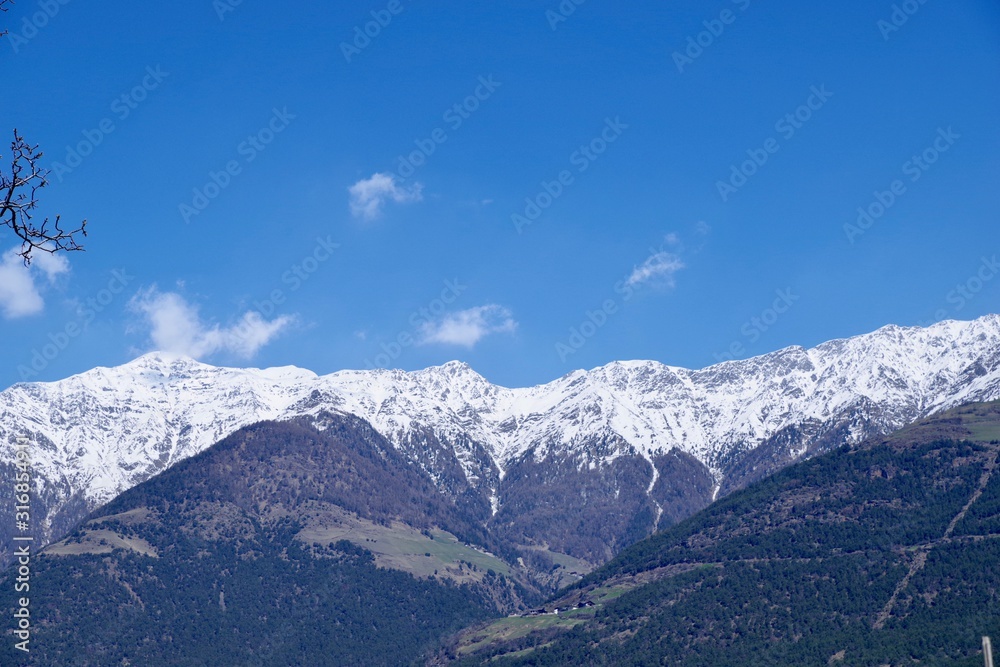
(660, 266)
(19, 295)
(368, 195)
(467, 327)
(175, 326)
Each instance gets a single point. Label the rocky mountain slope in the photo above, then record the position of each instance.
(583, 465)
(883, 553)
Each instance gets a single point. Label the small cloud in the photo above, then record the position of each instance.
(361, 335)
(467, 327)
(19, 294)
(368, 195)
(50, 264)
(702, 228)
(659, 266)
(671, 239)
(175, 326)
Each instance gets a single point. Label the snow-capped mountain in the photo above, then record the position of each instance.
(680, 434)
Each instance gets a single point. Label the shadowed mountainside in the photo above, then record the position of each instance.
(884, 553)
(282, 544)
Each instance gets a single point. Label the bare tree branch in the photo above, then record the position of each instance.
(3, 31)
(18, 198)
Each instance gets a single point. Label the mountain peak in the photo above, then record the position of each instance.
(453, 370)
(455, 366)
(159, 359)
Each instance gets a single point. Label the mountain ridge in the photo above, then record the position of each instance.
(100, 432)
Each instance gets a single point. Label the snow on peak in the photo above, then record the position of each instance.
(109, 428)
(163, 360)
(285, 374)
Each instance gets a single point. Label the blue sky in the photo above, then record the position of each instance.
(531, 187)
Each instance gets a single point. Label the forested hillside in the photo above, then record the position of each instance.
(887, 553)
(281, 545)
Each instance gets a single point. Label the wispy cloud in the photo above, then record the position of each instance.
(175, 326)
(666, 261)
(467, 327)
(19, 293)
(659, 267)
(368, 196)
